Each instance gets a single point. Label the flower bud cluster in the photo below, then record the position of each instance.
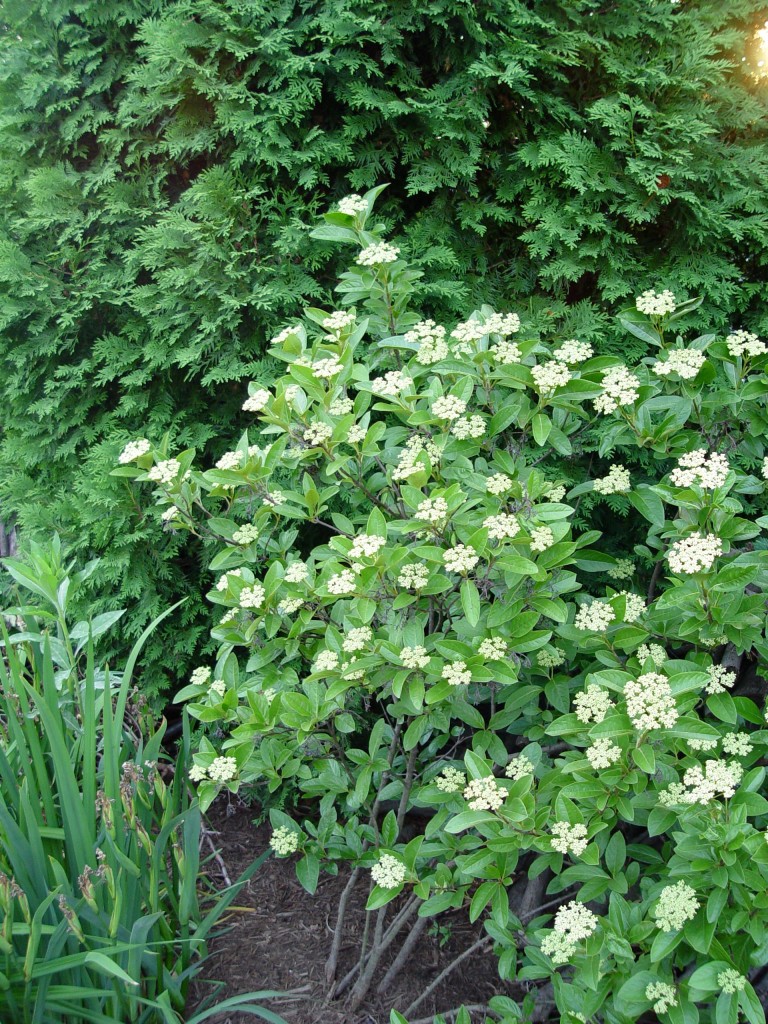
(484, 794)
(650, 704)
(284, 841)
(656, 303)
(677, 904)
(697, 468)
(593, 704)
(388, 872)
(694, 553)
(501, 526)
(378, 254)
(595, 616)
(573, 351)
(685, 362)
(616, 482)
(134, 450)
(451, 780)
(661, 995)
(430, 338)
(742, 343)
(548, 377)
(619, 389)
(567, 838)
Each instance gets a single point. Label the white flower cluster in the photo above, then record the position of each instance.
(695, 744)
(550, 658)
(256, 401)
(573, 923)
(555, 493)
(229, 460)
(170, 513)
(655, 652)
(134, 450)
(326, 661)
(197, 773)
(650, 704)
(356, 639)
(716, 778)
(737, 744)
(451, 780)
(366, 545)
(573, 351)
(720, 679)
(696, 468)
(603, 753)
(661, 995)
(352, 205)
(356, 434)
(289, 605)
(223, 581)
(200, 676)
(388, 872)
(498, 483)
(506, 353)
(407, 464)
(432, 510)
(284, 841)
(275, 498)
(519, 767)
(694, 553)
(339, 321)
(468, 427)
(569, 838)
(542, 538)
(685, 362)
(622, 570)
(219, 687)
(246, 534)
(593, 704)
(343, 582)
(457, 674)
(548, 377)
(252, 597)
(449, 407)
(484, 794)
(413, 577)
(284, 334)
(392, 383)
(656, 303)
(460, 559)
(317, 434)
(596, 616)
(165, 471)
(764, 469)
(497, 323)
(296, 572)
(501, 526)
(493, 647)
(430, 338)
(731, 982)
(324, 369)
(378, 254)
(414, 657)
(619, 388)
(677, 904)
(341, 406)
(745, 343)
(222, 769)
(616, 482)
(634, 605)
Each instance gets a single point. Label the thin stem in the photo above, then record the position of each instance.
(405, 951)
(484, 941)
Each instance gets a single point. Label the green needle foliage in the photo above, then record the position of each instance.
(162, 158)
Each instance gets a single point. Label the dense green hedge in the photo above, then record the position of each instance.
(161, 160)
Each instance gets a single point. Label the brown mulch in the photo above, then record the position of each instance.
(279, 938)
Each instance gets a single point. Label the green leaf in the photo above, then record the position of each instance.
(470, 602)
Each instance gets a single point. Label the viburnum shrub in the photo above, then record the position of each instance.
(489, 710)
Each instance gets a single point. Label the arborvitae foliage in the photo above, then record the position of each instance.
(160, 160)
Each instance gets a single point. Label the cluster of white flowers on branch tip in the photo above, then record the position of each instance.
(343, 582)
(219, 687)
(200, 676)
(731, 982)
(677, 904)
(246, 534)
(256, 401)
(284, 334)
(432, 510)
(448, 407)
(430, 337)
(378, 254)
(165, 471)
(593, 704)
(366, 545)
(506, 353)
(745, 343)
(498, 323)
(616, 482)
(451, 780)
(737, 744)
(324, 369)
(356, 639)
(388, 872)
(289, 605)
(223, 581)
(694, 553)
(134, 450)
(493, 647)
(356, 434)
(501, 526)
(296, 572)
(468, 427)
(339, 321)
(622, 570)
(555, 493)
(603, 753)
(519, 767)
(229, 460)
(573, 923)
(284, 841)
(414, 657)
(716, 779)
(457, 674)
(764, 469)
(548, 377)
(170, 513)
(704, 745)
(460, 558)
(484, 794)
(341, 406)
(413, 577)
(550, 658)
(326, 661)
(352, 205)
(197, 773)
(661, 995)
(595, 616)
(656, 303)
(498, 483)
(569, 838)
(317, 434)
(650, 704)
(655, 652)
(392, 383)
(252, 597)
(407, 464)
(542, 538)
(685, 362)
(619, 389)
(634, 605)
(222, 769)
(696, 468)
(573, 351)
